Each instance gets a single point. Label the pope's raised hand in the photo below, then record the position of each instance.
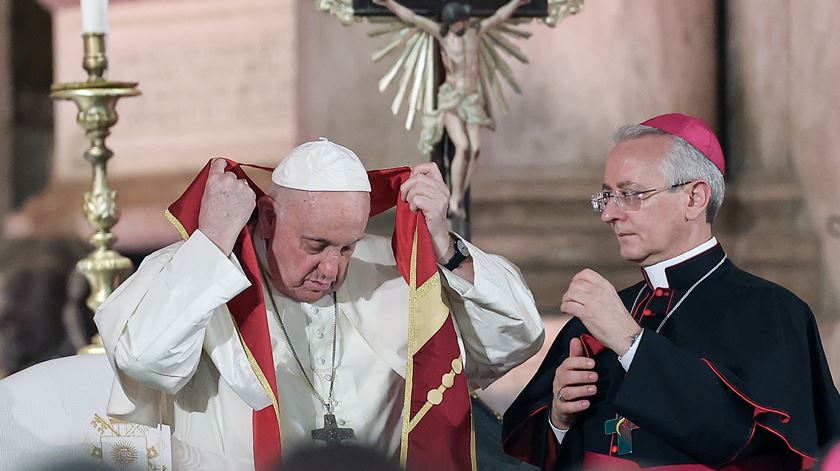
(594, 300)
(226, 206)
(574, 382)
(425, 191)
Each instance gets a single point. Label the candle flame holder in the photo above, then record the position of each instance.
(96, 99)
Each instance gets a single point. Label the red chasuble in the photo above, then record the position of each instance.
(437, 423)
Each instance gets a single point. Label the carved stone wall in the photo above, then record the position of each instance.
(782, 101)
(612, 64)
(217, 77)
(815, 112)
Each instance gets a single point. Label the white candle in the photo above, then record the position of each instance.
(95, 16)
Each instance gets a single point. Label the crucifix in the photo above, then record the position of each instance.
(331, 433)
(451, 55)
(623, 430)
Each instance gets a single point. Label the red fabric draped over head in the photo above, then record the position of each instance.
(447, 422)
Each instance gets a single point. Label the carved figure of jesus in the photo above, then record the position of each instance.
(460, 107)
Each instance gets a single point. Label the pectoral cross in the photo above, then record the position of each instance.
(623, 428)
(331, 432)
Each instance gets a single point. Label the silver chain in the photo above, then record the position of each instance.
(327, 404)
(671, 312)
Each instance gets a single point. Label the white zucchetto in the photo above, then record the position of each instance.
(321, 166)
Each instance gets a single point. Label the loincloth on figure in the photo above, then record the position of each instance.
(468, 106)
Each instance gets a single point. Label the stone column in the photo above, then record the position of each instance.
(815, 120)
(758, 61)
(781, 104)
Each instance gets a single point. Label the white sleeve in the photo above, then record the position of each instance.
(627, 359)
(558, 433)
(157, 318)
(496, 317)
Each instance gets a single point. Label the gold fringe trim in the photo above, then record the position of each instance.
(175, 222)
(473, 459)
(260, 375)
(431, 283)
(409, 361)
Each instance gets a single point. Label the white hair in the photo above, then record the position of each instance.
(682, 163)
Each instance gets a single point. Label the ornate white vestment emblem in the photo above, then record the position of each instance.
(130, 446)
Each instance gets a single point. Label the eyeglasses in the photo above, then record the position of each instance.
(628, 200)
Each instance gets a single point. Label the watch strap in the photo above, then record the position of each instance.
(457, 258)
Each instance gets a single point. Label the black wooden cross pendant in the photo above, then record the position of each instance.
(622, 428)
(331, 432)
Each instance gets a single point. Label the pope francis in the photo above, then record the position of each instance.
(279, 323)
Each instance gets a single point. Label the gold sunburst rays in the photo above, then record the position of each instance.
(498, 37)
(390, 26)
(498, 64)
(414, 65)
(507, 28)
(490, 88)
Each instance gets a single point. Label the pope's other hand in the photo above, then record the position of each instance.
(226, 206)
(425, 191)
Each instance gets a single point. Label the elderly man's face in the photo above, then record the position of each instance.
(656, 231)
(310, 238)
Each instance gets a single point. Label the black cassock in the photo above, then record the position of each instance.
(736, 377)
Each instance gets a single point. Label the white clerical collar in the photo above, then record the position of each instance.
(656, 273)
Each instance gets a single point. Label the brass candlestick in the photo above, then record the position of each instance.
(97, 99)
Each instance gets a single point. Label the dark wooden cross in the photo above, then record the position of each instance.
(623, 429)
(443, 153)
(431, 8)
(331, 432)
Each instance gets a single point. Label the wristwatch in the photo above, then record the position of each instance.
(461, 254)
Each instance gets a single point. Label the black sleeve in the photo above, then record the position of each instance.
(526, 434)
(751, 368)
(676, 396)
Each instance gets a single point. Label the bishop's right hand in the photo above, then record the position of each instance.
(226, 206)
(574, 381)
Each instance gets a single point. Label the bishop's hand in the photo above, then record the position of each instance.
(226, 206)
(594, 300)
(425, 191)
(574, 382)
